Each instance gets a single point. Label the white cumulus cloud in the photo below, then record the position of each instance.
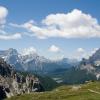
(3, 34)
(75, 24)
(3, 15)
(54, 48)
(80, 50)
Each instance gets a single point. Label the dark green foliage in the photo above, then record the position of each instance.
(73, 76)
(77, 76)
(48, 83)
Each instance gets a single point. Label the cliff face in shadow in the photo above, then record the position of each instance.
(5, 69)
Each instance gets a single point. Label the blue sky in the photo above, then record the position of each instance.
(37, 13)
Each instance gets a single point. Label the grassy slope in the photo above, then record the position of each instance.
(65, 93)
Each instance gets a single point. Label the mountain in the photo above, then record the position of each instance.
(95, 57)
(31, 61)
(66, 61)
(11, 56)
(85, 70)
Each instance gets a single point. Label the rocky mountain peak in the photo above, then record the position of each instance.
(12, 51)
(95, 56)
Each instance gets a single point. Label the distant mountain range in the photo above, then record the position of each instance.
(33, 62)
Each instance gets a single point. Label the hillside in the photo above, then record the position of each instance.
(73, 75)
(47, 82)
(88, 91)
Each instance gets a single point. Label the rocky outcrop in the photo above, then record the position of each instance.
(14, 83)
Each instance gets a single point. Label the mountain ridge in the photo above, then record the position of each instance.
(32, 61)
